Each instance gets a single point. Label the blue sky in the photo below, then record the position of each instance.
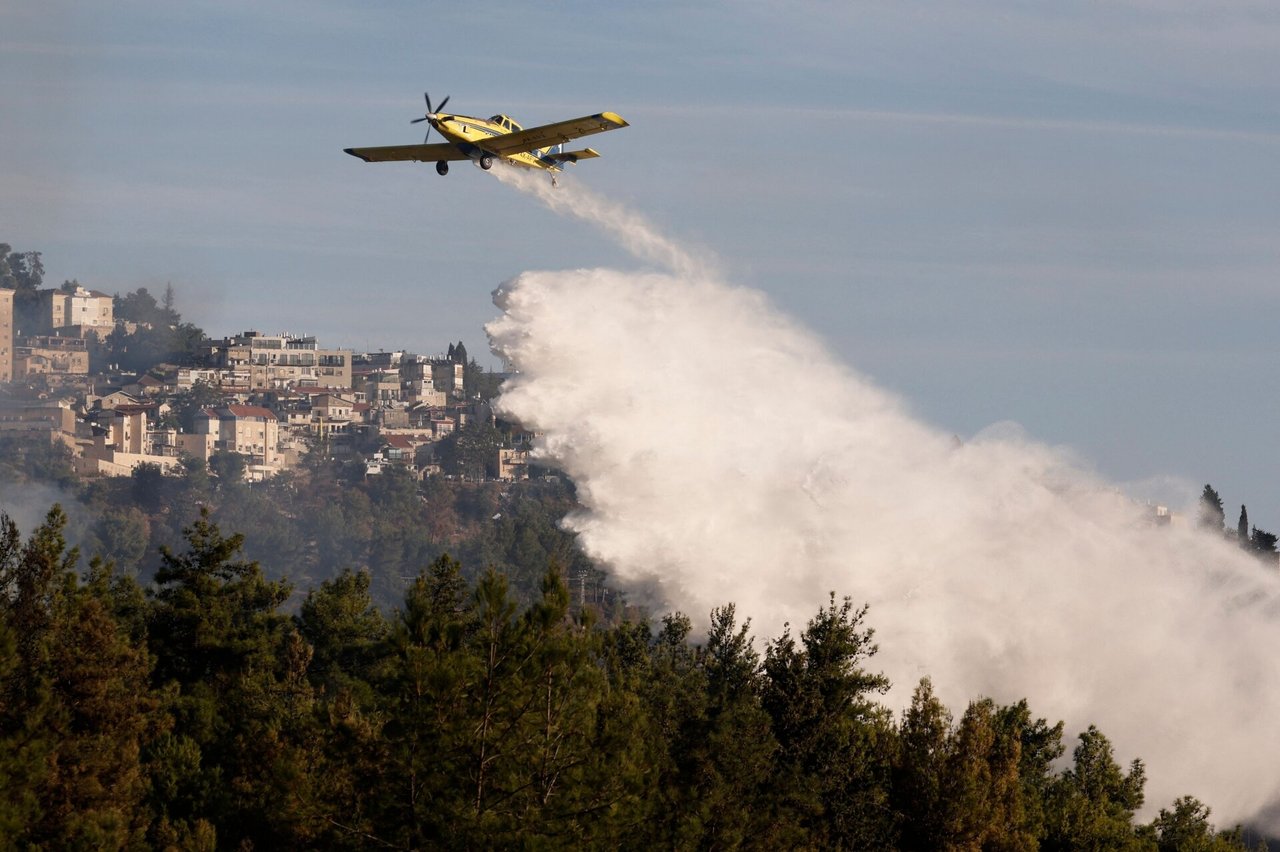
(1063, 215)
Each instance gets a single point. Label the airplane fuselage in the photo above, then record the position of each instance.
(468, 133)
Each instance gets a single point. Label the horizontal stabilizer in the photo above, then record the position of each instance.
(574, 156)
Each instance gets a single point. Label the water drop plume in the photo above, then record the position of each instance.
(631, 230)
(723, 454)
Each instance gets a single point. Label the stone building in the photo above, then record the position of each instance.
(6, 335)
(81, 312)
(283, 361)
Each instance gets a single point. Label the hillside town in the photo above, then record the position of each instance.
(120, 382)
(250, 405)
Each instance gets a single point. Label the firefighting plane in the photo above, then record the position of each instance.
(482, 140)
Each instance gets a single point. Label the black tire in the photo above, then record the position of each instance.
(486, 161)
(442, 168)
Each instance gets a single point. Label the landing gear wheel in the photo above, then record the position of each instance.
(442, 168)
(486, 161)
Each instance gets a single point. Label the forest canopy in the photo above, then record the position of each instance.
(198, 713)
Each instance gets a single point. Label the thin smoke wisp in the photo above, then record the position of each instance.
(721, 453)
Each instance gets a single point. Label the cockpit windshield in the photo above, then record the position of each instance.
(507, 123)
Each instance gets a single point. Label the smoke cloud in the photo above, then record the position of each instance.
(721, 453)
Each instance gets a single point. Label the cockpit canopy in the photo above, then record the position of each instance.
(506, 123)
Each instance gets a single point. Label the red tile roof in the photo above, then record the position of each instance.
(251, 411)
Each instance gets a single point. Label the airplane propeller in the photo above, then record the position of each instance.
(431, 113)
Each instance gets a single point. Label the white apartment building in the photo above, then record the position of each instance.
(87, 310)
(282, 361)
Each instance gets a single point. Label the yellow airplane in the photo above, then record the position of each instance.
(482, 140)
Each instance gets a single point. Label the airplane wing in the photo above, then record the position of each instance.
(552, 134)
(418, 153)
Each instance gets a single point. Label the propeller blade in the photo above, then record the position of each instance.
(430, 112)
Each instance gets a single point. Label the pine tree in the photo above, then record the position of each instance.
(675, 696)
(1186, 828)
(981, 790)
(408, 770)
(834, 740)
(738, 738)
(1263, 545)
(960, 787)
(497, 644)
(1211, 515)
(1091, 806)
(346, 632)
(25, 704)
(75, 709)
(566, 738)
(236, 670)
(1242, 527)
(718, 744)
(919, 767)
(97, 785)
(1039, 746)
